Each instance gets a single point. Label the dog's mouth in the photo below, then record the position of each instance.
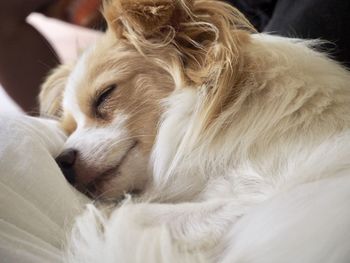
(91, 189)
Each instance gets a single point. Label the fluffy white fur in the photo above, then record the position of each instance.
(274, 187)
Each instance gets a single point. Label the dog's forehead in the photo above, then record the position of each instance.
(88, 73)
(71, 94)
(99, 66)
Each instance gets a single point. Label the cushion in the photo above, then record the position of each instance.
(37, 205)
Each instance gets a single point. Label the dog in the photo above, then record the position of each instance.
(194, 117)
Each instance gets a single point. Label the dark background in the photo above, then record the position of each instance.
(308, 19)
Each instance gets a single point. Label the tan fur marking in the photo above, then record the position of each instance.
(209, 37)
(68, 123)
(141, 85)
(50, 96)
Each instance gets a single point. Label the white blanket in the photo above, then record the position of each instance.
(37, 205)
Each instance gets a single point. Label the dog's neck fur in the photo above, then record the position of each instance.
(278, 119)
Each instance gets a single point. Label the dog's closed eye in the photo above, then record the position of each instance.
(101, 100)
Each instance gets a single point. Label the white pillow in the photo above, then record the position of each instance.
(37, 205)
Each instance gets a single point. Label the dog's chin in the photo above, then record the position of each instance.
(129, 176)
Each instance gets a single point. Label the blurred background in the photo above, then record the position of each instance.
(66, 39)
(38, 35)
(35, 37)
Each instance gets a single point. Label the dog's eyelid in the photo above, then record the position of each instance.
(101, 97)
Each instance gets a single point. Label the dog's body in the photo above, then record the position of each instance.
(207, 121)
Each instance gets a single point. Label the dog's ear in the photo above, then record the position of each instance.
(207, 36)
(51, 94)
(143, 17)
(199, 29)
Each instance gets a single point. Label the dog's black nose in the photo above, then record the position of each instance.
(66, 162)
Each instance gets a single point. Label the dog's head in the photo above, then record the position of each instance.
(110, 101)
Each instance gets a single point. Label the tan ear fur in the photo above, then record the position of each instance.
(51, 94)
(208, 35)
(143, 16)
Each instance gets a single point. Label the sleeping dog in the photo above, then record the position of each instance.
(183, 103)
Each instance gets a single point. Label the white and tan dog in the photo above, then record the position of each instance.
(181, 102)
